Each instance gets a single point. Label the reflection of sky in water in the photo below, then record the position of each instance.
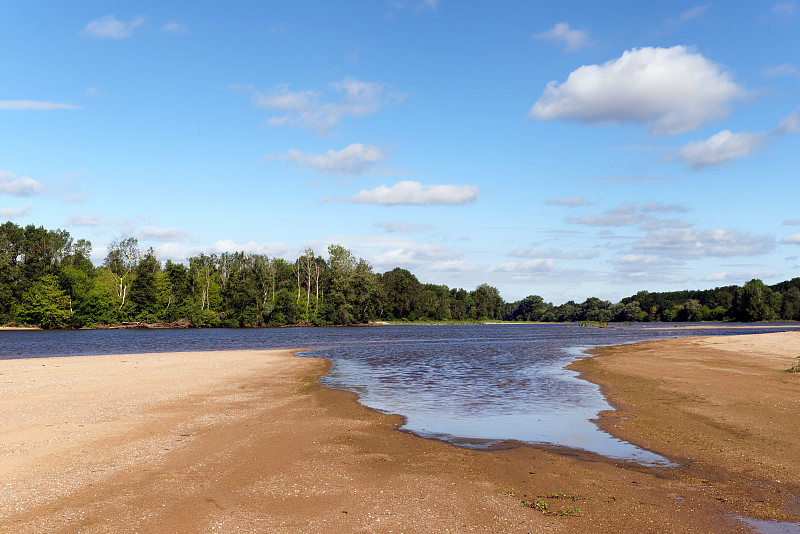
(492, 389)
(479, 382)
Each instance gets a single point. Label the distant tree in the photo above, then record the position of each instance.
(757, 302)
(44, 304)
(122, 258)
(144, 291)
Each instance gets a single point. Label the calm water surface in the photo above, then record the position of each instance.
(474, 385)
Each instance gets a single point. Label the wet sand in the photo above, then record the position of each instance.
(247, 441)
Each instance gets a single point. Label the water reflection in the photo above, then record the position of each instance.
(466, 384)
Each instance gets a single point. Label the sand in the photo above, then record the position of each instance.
(247, 441)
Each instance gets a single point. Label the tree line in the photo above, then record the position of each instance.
(47, 279)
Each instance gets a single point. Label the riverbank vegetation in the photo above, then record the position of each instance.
(47, 279)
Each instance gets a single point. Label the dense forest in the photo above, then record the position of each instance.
(47, 279)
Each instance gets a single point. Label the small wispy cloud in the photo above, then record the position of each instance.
(727, 146)
(109, 27)
(784, 69)
(402, 227)
(33, 105)
(175, 27)
(14, 213)
(572, 39)
(21, 186)
(163, 235)
(408, 193)
(353, 159)
(793, 239)
(81, 219)
(311, 110)
(622, 215)
(632, 179)
(786, 9)
(571, 202)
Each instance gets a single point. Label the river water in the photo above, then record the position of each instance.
(472, 385)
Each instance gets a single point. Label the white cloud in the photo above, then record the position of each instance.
(33, 105)
(692, 244)
(789, 125)
(531, 266)
(73, 198)
(692, 13)
(640, 263)
(409, 255)
(792, 222)
(174, 27)
(270, 249)
(721, 148)
(784, 8)
(94, 92)
(572, 39)
(402, 227)
(632, 179)
(18, 187)
(670, 90)
(740, 277)
(109, 27)
(571, 202)
(164, 235)
(351, 160)
(785, 69)
(418, 6)
(81, 219)
(663, 208)
(13, 213)
(726, 146)
(623, 215)
(416, 194)
(533, 253)
(308, 109)
(793, 239)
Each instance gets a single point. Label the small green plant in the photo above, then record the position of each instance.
(795, 368)
(538, 504)
(569, 511)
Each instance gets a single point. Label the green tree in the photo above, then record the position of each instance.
(757, 302)
(44, 304)
(144, 291)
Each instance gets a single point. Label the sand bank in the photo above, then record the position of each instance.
(247, 441)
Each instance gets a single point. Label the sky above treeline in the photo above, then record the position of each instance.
(568, 149)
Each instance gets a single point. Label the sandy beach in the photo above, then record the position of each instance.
(247, 441)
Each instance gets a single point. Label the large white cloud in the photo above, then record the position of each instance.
(18, 187)
(416, 194)
(670, 90)
(351, 160)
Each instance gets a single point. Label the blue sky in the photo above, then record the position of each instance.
(568, 150)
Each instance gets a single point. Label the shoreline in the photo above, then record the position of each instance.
(253, 441)
(723, 407)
